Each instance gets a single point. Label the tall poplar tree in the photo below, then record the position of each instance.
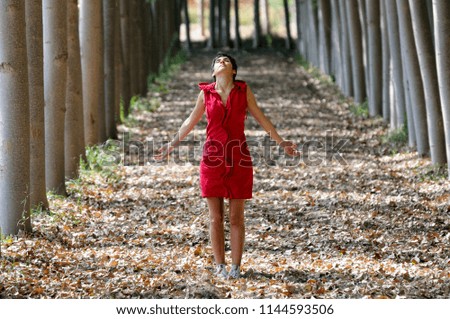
(91, 66)
(74, 126)
(38, 195)
(55, 79)
(15, 115)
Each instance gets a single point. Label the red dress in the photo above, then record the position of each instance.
(226, 168)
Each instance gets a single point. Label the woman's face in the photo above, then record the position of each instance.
(223, 65)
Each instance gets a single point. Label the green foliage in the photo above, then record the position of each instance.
(142, 104)
(6, 239)
(360, 110)
(170, 66)
(102, 159)
(433, 173)
(397, 136)
(38, 210)
(53, 196)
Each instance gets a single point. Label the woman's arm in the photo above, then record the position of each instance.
(289, 147)
(185, 128)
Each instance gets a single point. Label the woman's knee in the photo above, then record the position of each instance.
(237, 218)
(216, 219)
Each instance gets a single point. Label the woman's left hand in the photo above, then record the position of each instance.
(290, 148)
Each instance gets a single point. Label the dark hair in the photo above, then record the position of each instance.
(232, 60)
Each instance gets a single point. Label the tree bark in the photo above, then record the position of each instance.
(356, 50)
(374, 57)
(212, 24)
(347, 83)
(15, 115)
(265, 21)
(109, 31)
(237, 35)
(336, 65)
(134, 47)
(125, 56)
(34, 33)
(442, 31)
(363, 19)
(226, 22)
(325, 35)
(257, 25)
(312, 34)
(299, 6)
(91, 66)
(117, 65)
(418, 115)
(386, 73)
(187, 23)
(55, 79)
(201, 16)
(288, 25)
(397, 68)
(74, 121)
(427, 61)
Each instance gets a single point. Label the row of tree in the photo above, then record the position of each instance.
(65, 67)
(224, 23)
(394, 53)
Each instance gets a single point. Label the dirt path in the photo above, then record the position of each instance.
(351, 219)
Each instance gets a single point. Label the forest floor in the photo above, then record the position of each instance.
(357, 216)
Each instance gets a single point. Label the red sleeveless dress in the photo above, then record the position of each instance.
(226, 168)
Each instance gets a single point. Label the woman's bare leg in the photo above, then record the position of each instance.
(216, 230)
(237, 230)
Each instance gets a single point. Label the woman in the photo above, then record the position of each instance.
(226, 167)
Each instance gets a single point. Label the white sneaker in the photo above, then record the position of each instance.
(235, 272)
(221, 271)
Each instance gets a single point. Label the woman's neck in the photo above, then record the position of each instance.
(224, 83)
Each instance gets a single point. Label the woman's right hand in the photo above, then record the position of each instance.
(163, 152)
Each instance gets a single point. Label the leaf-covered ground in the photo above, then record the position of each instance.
(355, 217)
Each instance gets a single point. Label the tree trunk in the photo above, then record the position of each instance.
(386, 73)
(125, 56)
(201, 16)
(226, 22)
(212, 24)
(288, 25)
(91, 66)
(374, 60)
(397, 68)
(418, 114)
(312, 34)
(187, 23)
(55, 79)
(336, 65)
(347, 84)
(74, 121)
(117, 65)
(133, 49)
(442, 31)
(109, 31)
(299, 6)
(325, 35)
(427, 61)
(38, 196)
(363, 19)
(257, 25)
(265, 23)
(101, 93)
(237, 36)
(356, 49)
(15, 115)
